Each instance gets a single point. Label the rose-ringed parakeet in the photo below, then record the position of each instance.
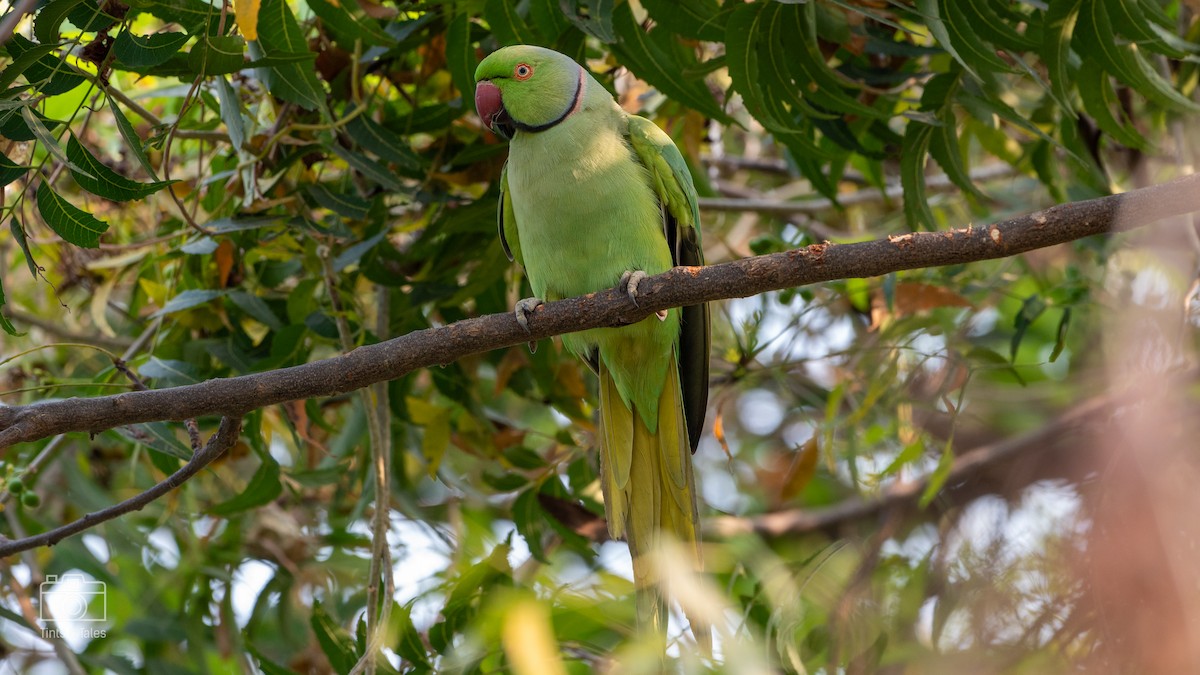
(593, 197)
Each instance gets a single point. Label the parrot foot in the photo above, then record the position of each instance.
(524, 308)
(629, 283)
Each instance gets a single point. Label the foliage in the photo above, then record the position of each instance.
(204, 191)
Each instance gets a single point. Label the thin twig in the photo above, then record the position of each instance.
(221, 440)
(13, 17)
(904, 496)
(864, 196)
(59, 330)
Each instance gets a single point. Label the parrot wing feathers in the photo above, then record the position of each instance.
(681, 217)
(507, 221)
(616, 452)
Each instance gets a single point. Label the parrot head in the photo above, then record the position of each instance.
(526, 88)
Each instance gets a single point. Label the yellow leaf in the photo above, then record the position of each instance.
(224, 256)
(436, 421)
(529, 640)
(801, 472)
(100, 304)
(155, 291)
(247, 17)
(912, 298)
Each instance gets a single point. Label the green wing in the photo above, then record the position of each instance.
(681, 220)
(507, 222)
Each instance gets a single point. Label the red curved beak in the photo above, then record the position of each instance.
(490, 106)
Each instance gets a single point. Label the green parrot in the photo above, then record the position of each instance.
(591, 198)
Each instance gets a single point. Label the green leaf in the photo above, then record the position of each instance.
(345, 205)
(658, 58)
(264, 486)
(168, 372)
(594, 17)
(349, 26)
(22, 61)
(13, 126)
(408, 644)
(231, 113)
(1060, 339)
(138, 51)
(943, 143)
(103, 181)
(48, 74)
(256, 308)
(820, 83)
(75, 226)
(10, 170)
(132, 140)
(507, 25)
(530, 521)
(990, 26)
(917, 137)
(695, 19)
(18, 233)
(278, 33)
(335, 642)
(1099, 100)
(1060, 21)
(1131, 21)
(931, 14)
(548, 19)
(1031, 309)
(48, 141)
(353, 254)
(201, 246)
(187, 300)
(384, 144)
(940, 473)
(158, 436)
(48, 24)
(5, 324)
(369, 168)
(436, 422)
(460, 56)
(191, 14)
(972, 47)
(87, 17)
(217, 55)
(1124, 60)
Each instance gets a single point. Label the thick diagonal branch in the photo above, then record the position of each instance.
(678, 287)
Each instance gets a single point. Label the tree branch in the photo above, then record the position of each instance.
(681, 286)
(222, 439)
(995, 468)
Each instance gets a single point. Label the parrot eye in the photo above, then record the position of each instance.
(523, 71)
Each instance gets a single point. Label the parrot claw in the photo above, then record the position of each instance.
(629, 283)
(525, 307)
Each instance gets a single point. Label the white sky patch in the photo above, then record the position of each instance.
(97, 546)
(417, 562)
(279, 451)
(78, 604)
(161, 549)
(614, 556)
(249, 580)
(760, 412)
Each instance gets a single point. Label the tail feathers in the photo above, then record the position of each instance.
(649, 489)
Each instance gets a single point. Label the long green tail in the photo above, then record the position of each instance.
(649, 488)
